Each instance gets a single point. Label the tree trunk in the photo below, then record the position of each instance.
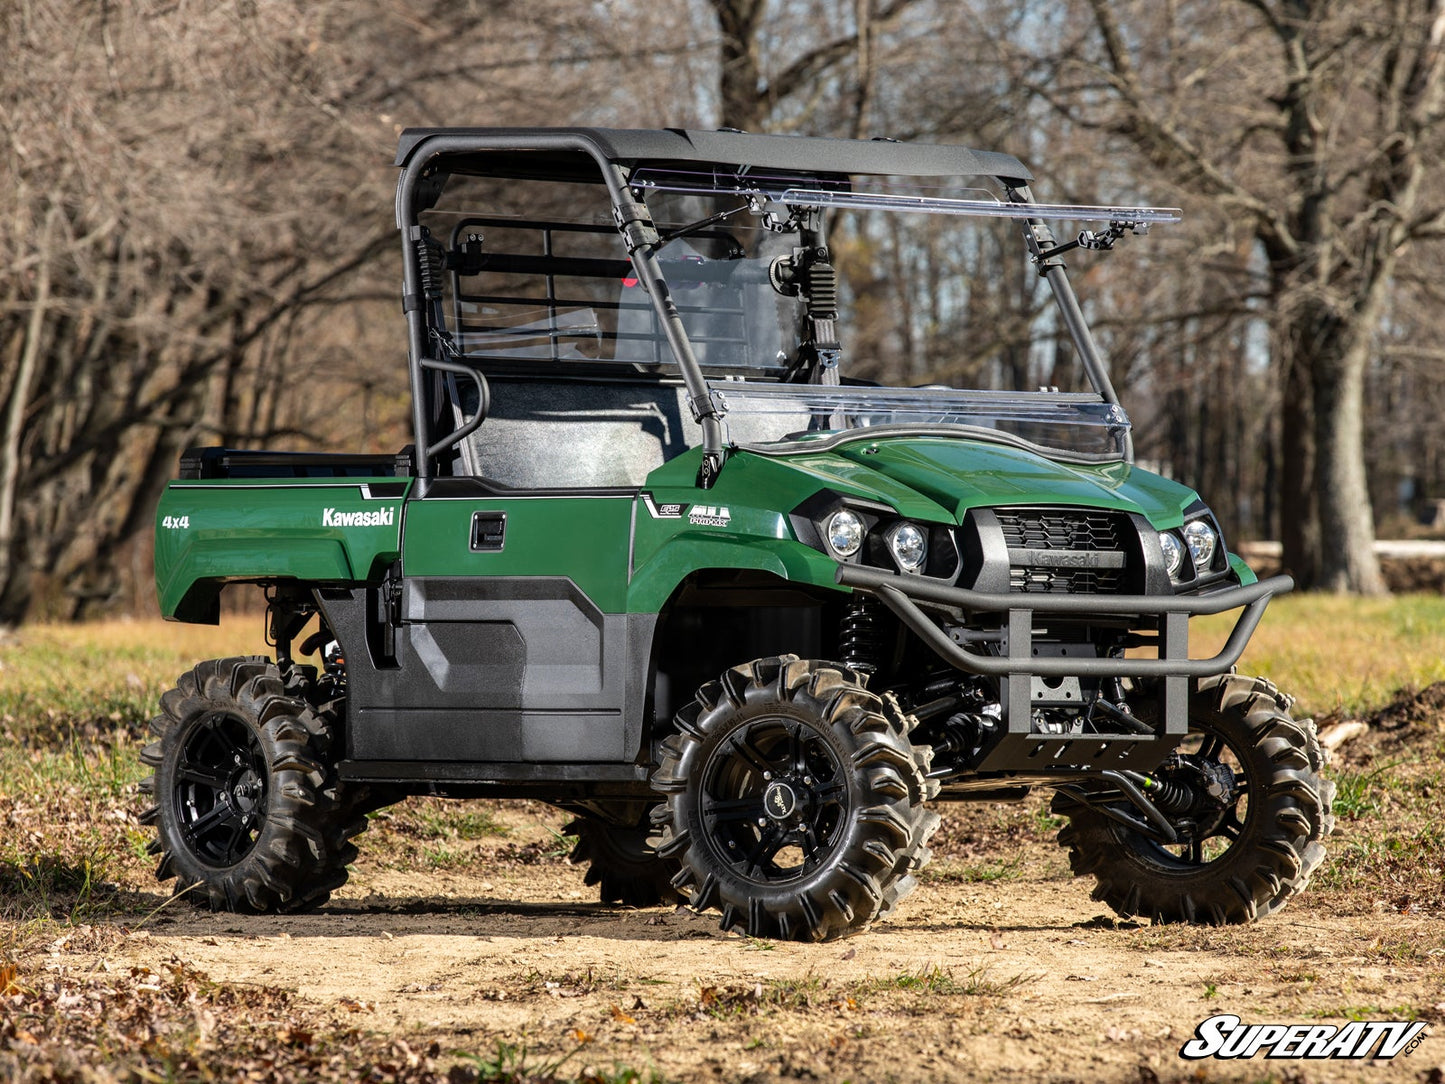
(1299, 532)
(741, 103)
(1346, 524)
(15, 417)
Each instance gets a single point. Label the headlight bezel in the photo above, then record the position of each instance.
(941, 560)
(1193, 572)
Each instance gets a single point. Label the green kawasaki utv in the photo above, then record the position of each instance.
(663, 557)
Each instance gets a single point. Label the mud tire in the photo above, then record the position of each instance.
(247, 811)
(858, 833)
(1279, 841)
(621, 862)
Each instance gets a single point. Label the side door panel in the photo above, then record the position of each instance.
(513, 643)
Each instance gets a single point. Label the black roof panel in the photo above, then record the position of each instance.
(492, 151)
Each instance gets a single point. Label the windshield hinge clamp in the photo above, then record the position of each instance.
(635, 225)
(710, 405)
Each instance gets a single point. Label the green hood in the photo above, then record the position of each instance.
(941, 478)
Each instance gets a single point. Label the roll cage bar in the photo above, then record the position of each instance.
(427, 156)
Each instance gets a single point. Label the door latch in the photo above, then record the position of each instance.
(488, 531)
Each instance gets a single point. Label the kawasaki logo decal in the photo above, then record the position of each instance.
(382, 517)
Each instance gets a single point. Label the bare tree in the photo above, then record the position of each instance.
(768, 74)
(197, 244)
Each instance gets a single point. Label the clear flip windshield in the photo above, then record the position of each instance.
(788, 192)
(806, 302)
(772, 418)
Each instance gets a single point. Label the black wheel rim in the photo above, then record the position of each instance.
(1208, 836)
(220, 789)
(774, 800)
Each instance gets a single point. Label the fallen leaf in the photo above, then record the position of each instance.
(996, 939)
(620, 1016)
(852, 952)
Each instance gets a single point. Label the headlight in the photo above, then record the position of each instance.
(844, 532)
(1173, 553)
(1202, 541)
(909, 545)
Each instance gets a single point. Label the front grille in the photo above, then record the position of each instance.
(1059, 529)
(1039, 542)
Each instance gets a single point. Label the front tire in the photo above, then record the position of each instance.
(1241, 856)
(794, 801)
(246, 810)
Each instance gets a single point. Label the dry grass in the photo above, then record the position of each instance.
(1337, 653)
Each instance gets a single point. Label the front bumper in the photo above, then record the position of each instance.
(1022, 750)
(905, 595)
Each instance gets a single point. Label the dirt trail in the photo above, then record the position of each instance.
(1013, 980)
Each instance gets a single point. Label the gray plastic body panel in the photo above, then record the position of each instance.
(495, 670)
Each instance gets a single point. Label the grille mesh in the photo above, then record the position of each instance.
(1065, 581)
(1059, 529)
(1077, 530)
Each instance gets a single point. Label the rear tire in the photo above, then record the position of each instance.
(1240, 861)
(247, 812)
(794, 801)
(621, 862)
